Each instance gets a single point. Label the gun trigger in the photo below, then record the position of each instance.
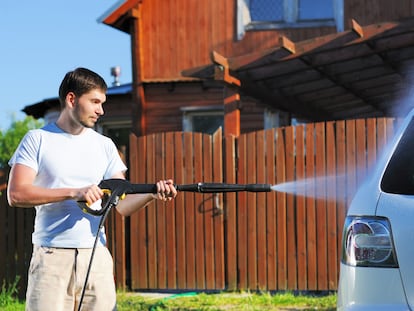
(106, 191)
(122, 196)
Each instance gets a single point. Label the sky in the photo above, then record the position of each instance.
(42, 40)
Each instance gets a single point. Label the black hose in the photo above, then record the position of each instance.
(112, 202)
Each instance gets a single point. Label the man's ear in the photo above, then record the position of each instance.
(70, 99)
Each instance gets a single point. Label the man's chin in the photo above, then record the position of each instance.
(90, 124)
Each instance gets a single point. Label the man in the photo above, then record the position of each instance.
(52, 169)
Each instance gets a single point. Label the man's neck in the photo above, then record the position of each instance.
(69, 127)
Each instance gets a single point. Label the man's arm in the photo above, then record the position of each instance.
(133, 202)
(22, 193)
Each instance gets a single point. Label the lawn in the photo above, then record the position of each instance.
(225, 301)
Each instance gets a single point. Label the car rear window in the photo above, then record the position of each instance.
(399, 174)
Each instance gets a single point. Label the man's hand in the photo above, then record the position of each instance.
(165, 190)
(89, 194)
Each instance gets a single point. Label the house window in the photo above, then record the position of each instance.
(118, 131)
(277, 14)
(202, 119)
(275, 118)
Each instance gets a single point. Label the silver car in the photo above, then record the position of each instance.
(377, 262)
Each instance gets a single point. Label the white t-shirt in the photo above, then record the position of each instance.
(62, 160)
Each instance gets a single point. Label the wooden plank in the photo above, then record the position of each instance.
(381, 134)
(242, 214)
(29, 228)
(135, 246)
(208, 212)
(301, 209)
(190, 212)
(148, 28)
(180, 214)
(218, 213)
(251, 214)
(120, 250)
(271, 232)
(331, 214)
(199, 217)
(391, 124)
(361, 149)
(281, 213)
(12, 242)
(170, 226)
(371, 133)
(290, 210)
(321, 206)
(203, 22)
(19, 247)
(341, 171)
(151, 237)
(261, 212)
(160, 221)
(311, 209)
(351, 183)
(229, 205)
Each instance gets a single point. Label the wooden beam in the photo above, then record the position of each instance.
(287, 44)
(223, 72)
(357, 28)
(231, 95)
(231, 111)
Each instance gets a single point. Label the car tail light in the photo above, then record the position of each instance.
(367, 242)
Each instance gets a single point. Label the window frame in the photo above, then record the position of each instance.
(190, 112)
(291, 18)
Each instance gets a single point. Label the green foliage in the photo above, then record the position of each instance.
(8, 296)
(9, 139)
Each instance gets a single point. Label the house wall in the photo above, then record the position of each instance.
(117, 107)
(375, 11)
(181, 34)
(164, 103)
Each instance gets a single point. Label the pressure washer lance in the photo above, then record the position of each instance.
(116, 189)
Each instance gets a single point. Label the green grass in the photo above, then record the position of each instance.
(128, 301)
(226, 301)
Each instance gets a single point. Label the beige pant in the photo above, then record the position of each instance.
(57, 276)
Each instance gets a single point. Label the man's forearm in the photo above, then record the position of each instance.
(29, 195)
(134, 202)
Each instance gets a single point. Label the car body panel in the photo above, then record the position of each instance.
(358, 291)
(399, 209)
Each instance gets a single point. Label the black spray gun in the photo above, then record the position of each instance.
(116, 189)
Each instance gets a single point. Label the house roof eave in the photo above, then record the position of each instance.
(117, 15)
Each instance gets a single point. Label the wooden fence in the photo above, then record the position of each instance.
(281, 240)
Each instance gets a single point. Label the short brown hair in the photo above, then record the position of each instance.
(80, 81)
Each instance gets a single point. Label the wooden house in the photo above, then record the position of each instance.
(260, 64)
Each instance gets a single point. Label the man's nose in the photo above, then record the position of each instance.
(100, 110)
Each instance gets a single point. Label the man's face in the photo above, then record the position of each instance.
(88, 107)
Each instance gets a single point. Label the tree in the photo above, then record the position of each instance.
(10, 139)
